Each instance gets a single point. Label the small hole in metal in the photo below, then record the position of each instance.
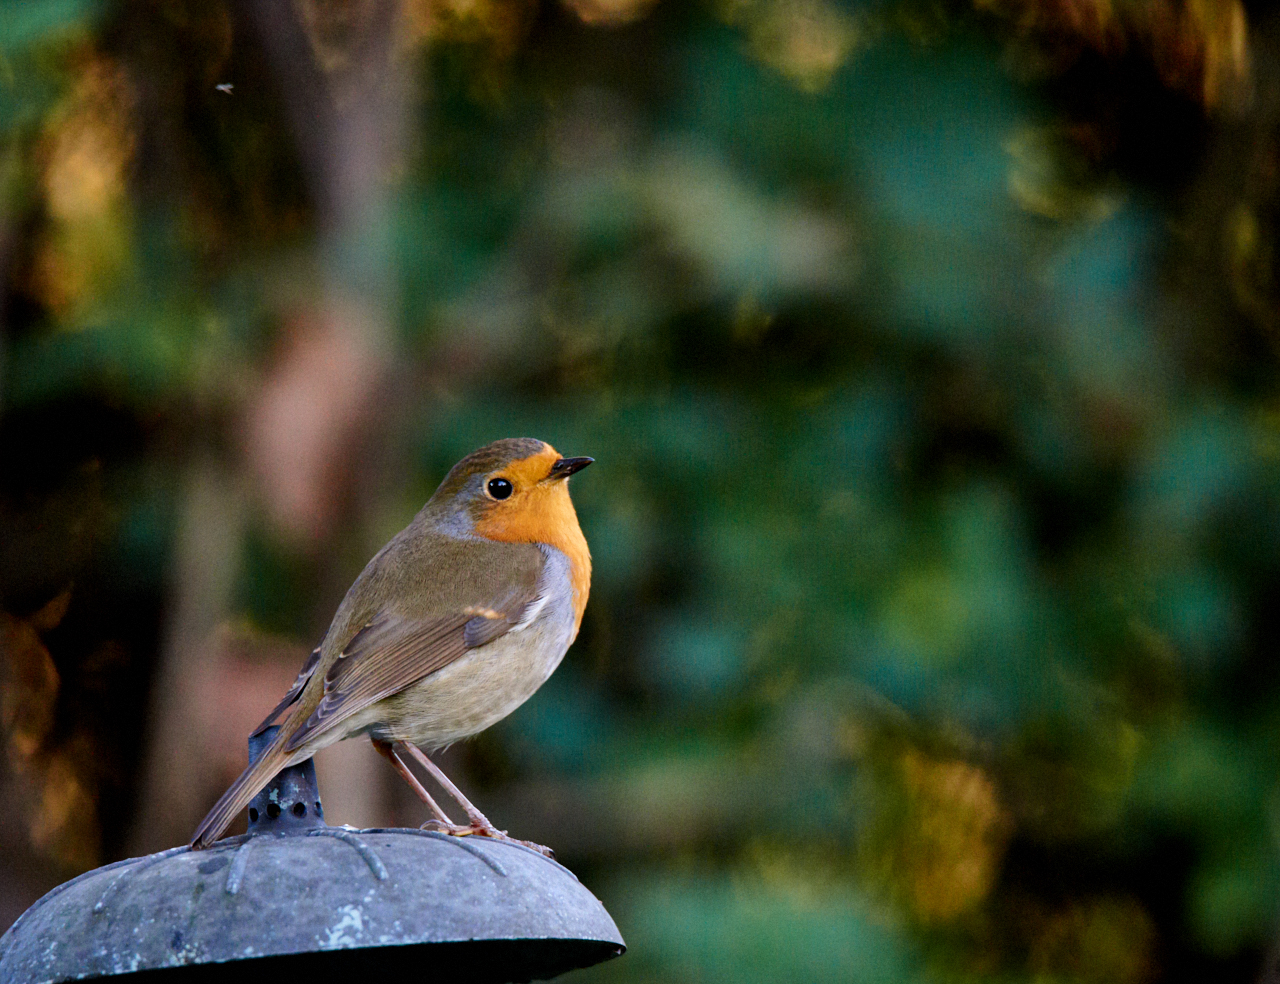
(273, 810)
(299, 809)
(253, 814)
(317, 806)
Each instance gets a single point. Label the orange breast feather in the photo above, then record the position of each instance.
(544, 513)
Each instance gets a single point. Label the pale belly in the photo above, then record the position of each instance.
(479, 689)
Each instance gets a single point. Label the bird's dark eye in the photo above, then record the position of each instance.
(499, 488)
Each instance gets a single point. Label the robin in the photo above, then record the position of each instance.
(448, 629)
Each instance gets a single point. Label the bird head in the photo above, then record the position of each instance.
(514, 489)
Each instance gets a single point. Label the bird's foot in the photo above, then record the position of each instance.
(485, 830)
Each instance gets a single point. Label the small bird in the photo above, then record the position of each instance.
(448, 629)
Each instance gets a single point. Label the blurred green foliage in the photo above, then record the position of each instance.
(928, 355)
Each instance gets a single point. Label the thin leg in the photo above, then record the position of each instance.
(388, 751)
(477, 818)
(479, 822)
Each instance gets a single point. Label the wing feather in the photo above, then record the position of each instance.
(392, 652)
(294, 693)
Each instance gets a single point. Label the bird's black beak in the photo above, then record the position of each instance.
(567, 466)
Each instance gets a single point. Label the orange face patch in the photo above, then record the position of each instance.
(528, 472)
(538, 511)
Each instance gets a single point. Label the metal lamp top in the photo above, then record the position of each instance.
(295, 890)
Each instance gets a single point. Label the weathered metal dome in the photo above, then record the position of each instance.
(296, 896)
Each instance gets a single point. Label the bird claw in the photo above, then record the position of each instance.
(542, 849)
(440, 827)
(479, 830)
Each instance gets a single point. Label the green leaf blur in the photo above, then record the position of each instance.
(928, 354)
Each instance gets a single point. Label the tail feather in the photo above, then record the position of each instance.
(239, 793)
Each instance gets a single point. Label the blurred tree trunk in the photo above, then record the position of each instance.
(345, 92)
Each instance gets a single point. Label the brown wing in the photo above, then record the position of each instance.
(295, 691)
(392, 652)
